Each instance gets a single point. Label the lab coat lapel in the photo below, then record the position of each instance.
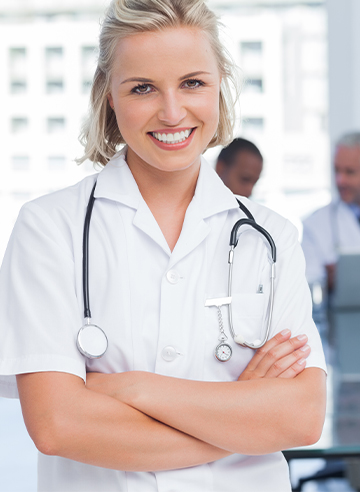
(211, 197)
(145, 221)
(193, 232)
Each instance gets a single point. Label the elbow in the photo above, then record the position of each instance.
(48, 435)
(310, 435)
(315, 427)
(311, 422)
(46, 446)
(311, 408)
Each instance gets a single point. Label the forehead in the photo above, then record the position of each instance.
(175, 49)
(347, 157)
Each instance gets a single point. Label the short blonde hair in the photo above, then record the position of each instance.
(100, 133)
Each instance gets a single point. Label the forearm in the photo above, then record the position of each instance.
(249, 417)
(74, 422)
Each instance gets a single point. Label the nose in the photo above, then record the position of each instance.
(171, 110)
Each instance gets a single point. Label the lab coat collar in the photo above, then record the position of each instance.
(211, 194)
(116, 182)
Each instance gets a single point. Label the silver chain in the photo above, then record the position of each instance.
(222, 335)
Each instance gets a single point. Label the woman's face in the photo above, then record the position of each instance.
(165, 93)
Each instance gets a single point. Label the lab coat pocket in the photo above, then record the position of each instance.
(249, 316)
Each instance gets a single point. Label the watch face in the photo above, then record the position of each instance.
(223, 352)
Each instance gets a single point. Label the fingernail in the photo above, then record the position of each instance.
(301, 361)
(305, 348)
(302, 338)
(284, 333)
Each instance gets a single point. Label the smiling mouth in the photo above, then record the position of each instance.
(173, 138)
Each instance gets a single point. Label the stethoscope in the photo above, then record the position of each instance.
(92, 341)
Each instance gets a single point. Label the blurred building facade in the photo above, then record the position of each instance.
(48, 56)
(282, 52)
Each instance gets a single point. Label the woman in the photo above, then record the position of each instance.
(158, 411)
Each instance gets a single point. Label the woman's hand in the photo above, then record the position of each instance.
(280, 357)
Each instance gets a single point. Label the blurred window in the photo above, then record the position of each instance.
(55, 125)
(54, 69)
(253, 86)
(20, 163)
(253, 125)
(88, 65)
(21, 196)
(19, 125)
(18, 70)
(56, 162)
(251, 55)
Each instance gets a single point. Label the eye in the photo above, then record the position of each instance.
(142, 89)
(193, 84)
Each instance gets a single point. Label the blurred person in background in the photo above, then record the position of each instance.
(239, 165)
(336, 226)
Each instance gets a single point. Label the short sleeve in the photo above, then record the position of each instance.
(40, 313)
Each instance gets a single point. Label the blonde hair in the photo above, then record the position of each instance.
(100, 133)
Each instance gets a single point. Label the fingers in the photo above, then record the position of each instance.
(278, 355)
(294, 370)
(270, 352)
(290, 365)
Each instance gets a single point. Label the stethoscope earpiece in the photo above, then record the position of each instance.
(239, 339)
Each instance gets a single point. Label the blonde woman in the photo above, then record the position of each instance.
(158, 411)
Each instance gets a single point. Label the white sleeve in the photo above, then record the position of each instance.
(39, 309)
(315, 270)
(292, 303)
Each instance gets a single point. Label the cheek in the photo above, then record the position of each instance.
(210, 113)
(130, 119)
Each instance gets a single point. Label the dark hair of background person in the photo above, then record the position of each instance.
(239, 165)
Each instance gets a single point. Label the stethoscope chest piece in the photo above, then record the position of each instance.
(92, 341)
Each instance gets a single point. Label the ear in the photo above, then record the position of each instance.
(110, 99)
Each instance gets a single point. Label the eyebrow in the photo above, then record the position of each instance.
(147, 81)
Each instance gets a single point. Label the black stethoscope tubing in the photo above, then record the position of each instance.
(251, 222)
(85, 266)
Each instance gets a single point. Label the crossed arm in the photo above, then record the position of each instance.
(146, 422)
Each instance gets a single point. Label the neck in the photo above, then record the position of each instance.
(157, 186)
(167, 194)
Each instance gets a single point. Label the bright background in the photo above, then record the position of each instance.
(290, 107)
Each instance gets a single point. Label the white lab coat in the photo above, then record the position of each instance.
(327, 232)
(146, 298)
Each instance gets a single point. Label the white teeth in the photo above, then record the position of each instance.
(172, 138)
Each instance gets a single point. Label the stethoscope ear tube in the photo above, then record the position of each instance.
(85, 269)
(254, 225)
(233, 243)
